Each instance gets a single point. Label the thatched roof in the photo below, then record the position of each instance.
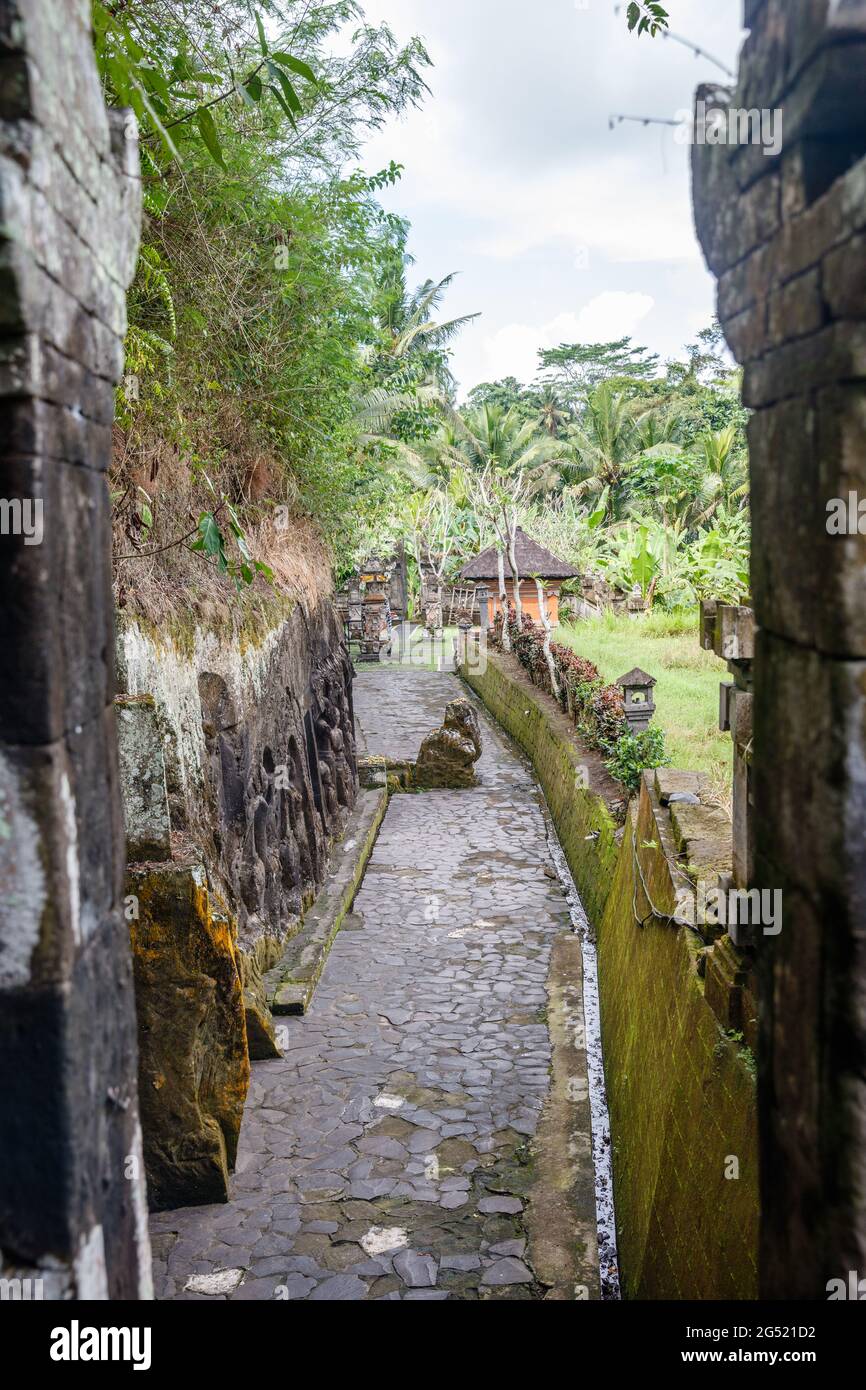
(532, 559)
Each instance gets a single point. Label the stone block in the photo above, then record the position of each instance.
(142, 779)
(844, 280)
(57, 623)
(193, 1063)
(727, 975)
(836, 353)
(702, 835)
(734, 632)
(795, 310)
(812, 589)
(669, 782)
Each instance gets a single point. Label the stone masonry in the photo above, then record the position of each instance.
(786, 237)
(72, 1208)
(390, 1153)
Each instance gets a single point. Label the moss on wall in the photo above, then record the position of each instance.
(681, 1093)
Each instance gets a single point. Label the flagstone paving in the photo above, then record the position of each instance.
(387, 1155)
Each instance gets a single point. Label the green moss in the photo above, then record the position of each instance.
(681, 1094)
(682, 1101)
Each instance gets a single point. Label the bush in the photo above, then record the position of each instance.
(636, 753)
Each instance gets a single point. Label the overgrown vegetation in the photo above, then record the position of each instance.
(667, 645)
(595, 707)
(259, 316)
(622, 469)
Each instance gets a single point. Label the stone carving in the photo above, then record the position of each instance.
(448, 756)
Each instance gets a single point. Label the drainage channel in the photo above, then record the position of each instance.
(608, 1258)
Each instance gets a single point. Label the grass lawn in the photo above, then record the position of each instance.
(687, 695)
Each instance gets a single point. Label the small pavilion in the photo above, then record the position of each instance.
(532, 560)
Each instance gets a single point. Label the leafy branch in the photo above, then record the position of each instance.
(647, 18)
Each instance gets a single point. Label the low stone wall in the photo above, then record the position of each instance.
(681, 1091)
(578, 789)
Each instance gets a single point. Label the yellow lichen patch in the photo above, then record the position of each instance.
(193, 1061)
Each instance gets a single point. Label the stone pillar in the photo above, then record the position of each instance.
(729, 631)
(375, 611)
(483, 594)
(785, 233)
(72, 1208)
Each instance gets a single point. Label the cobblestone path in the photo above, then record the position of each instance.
(387, 1155)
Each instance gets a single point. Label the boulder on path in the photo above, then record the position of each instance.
(448, 756)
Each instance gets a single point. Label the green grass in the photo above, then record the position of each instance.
(666, 645)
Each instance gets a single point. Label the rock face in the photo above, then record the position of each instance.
(260, 775)
(72, 1214)
(193, 1063)
(784, 231)
(448, 756)
(142, 780)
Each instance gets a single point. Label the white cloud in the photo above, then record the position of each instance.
(512, 350)
(563, 229)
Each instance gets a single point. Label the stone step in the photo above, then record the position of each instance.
(292, 982)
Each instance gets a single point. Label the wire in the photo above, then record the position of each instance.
(668, 918)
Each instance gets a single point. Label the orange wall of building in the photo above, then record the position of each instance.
(529, 599)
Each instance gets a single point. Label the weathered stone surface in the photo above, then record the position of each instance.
(260, 768)
(71, 1210)
(792, 303)
(142, 780)
(448, 756)
(419, 1077)
(193, 1063)
(417, 1271)
(507, 1271)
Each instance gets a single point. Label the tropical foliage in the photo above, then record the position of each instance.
(636, 474)
(265, 304)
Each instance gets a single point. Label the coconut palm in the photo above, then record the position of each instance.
(502, 442)
(409, 361)
(725, 484)
(553, 415)
(603, 447)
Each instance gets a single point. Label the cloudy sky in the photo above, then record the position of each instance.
(561, 229)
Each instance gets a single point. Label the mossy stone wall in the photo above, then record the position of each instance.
(681, 1094)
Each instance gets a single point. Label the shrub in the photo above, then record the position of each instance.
(634, 754)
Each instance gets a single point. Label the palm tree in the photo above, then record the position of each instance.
(412, 342)
(554, 416)
(409, 360)
(725, 482)
(502, 441)
(604, 446)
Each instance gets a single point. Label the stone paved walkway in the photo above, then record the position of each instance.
(387, 1155)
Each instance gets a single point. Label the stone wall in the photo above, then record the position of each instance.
(681, 1091)
(72, 1209)
(786, 236)
(247, 741)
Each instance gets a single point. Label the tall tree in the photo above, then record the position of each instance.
(573, 370)
(604, 446)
